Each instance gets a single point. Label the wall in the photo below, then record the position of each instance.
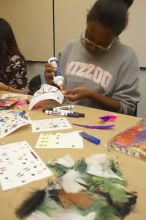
(70, 22)
(135, 33)
(31, 21)
(142, 86)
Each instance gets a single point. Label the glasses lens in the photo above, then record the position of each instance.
(87, 41)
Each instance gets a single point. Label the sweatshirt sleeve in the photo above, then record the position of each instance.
(126, 89)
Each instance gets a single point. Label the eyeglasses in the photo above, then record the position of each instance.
(86, 40)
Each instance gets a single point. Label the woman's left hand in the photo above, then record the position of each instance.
(78, 93)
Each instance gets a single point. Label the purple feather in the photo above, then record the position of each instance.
(104, 127)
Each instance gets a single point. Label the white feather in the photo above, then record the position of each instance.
(70, 182)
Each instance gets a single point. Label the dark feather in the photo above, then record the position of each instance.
(54, 194)
(125, 208)
(122, 209)
(31, 204)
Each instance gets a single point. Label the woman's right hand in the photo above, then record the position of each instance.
(49, 73)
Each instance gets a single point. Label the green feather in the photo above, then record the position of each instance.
(102, 209)
(81, 165)
(60, 170)
(116, 191)
(48, 207)
(116, 169)
(106, 213)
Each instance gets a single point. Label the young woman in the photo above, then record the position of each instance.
(13, 72)
(99, 70)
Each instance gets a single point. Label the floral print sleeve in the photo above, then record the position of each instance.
(18, 72)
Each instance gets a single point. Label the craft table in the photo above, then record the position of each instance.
(133, 169)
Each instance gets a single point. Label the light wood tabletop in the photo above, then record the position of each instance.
(134, 170)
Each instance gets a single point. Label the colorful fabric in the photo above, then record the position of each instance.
(14, 73)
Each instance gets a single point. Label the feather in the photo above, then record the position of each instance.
(124, 209)
(110, 117)
(31, 204)
(83, 200)
(76, 194)
(71, 182)
(72, 215)
(65, 161)
(104, 127)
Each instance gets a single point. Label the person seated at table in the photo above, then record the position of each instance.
(13, 71)
(99, 70)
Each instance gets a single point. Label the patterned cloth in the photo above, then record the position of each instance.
(15, 72)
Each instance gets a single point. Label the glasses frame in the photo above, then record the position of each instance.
(86, 40)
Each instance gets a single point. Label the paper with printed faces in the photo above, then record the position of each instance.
(19, 165)
(10, 121)
(60, 140)
(50, 124)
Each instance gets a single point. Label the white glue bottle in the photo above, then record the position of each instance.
(58, 78)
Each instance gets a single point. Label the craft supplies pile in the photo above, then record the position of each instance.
(88, 189)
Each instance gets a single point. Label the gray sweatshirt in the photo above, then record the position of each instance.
(114, 73)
